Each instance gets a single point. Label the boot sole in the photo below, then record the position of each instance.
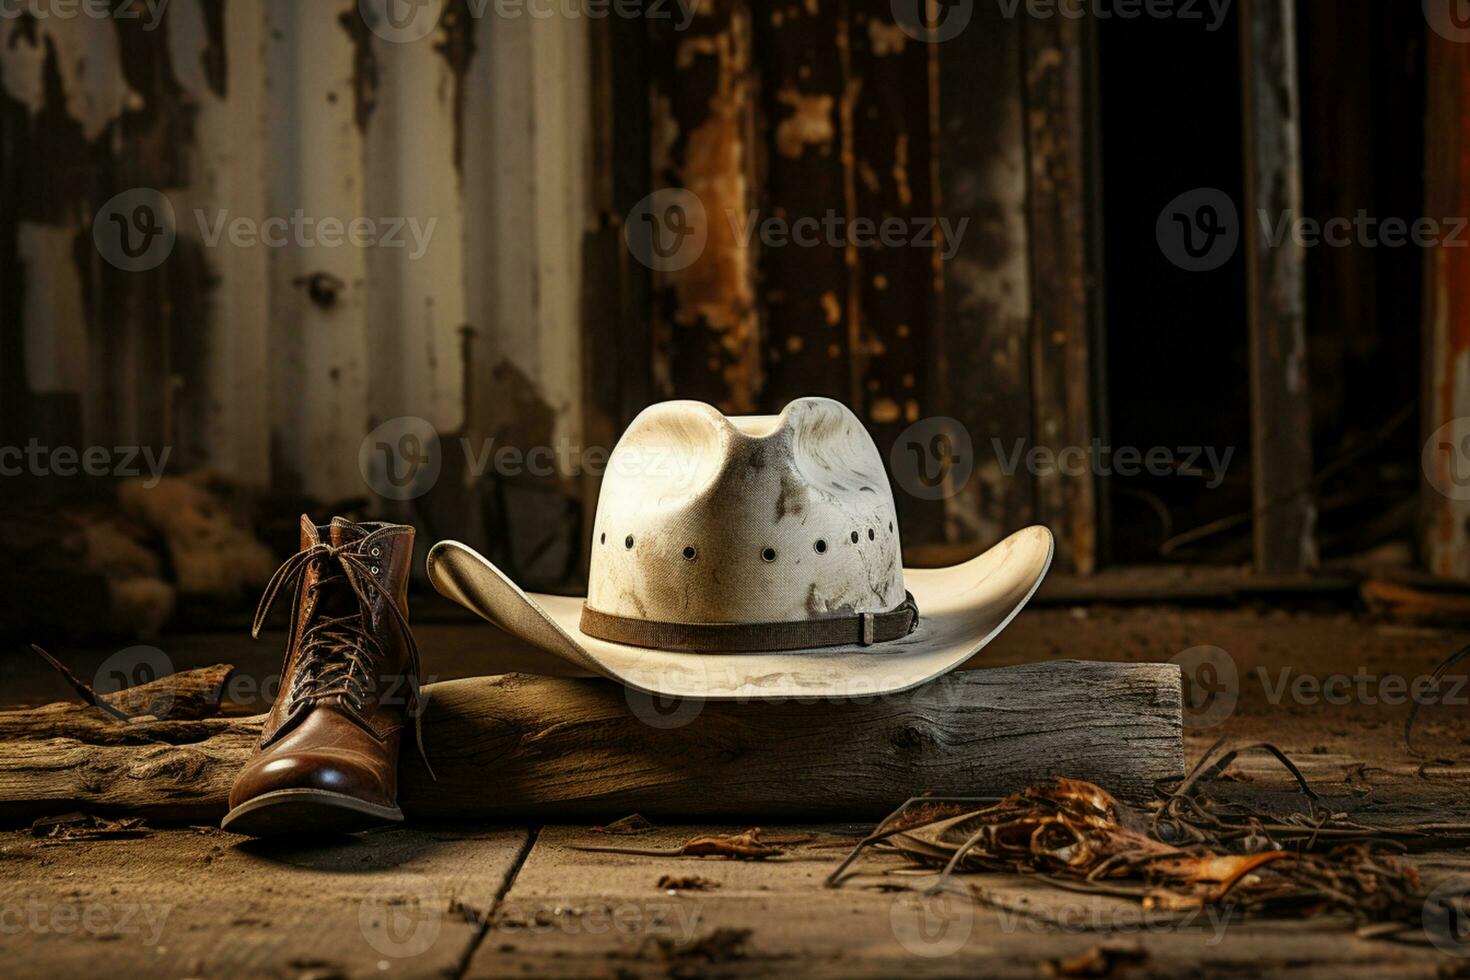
(307, 811)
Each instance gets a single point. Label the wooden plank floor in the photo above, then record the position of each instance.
(197, 902)
(515, 903)
(489, 902)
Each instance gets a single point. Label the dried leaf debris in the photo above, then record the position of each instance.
(1193, 851)
(75, 827)
(747, 846)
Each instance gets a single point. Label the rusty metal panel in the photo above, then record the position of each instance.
(707, 336)
(1446, 409)
(802, 53)
(477, 138)
(463, 144)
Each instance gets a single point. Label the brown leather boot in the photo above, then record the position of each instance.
(327, 761)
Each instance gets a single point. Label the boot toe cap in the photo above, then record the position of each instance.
(345, 772)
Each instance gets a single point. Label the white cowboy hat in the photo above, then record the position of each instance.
(755, 558)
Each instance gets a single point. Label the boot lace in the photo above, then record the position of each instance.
(338, 653)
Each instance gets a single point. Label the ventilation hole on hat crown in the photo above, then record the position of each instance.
(769, 554)
(871, 535)
(628, 541)
(604, 538)
(820, 546)
(890, 527)
(854, 537)
(689, 553)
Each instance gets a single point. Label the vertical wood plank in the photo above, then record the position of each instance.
(319, 295)
(218, 51)
(707, 342)
(802, 52)
(893, 321)
(1281, 452)
(987, 283)
(412, 172)
(1064, 334)
(616, 357)
(1445, 499)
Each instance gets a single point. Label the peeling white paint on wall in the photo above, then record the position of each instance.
(304, 349)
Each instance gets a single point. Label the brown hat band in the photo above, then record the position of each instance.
(861, 629)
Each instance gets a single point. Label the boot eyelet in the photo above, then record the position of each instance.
(376, 552)
(374, 569)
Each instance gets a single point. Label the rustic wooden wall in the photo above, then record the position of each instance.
(830, 107)
(529, 141)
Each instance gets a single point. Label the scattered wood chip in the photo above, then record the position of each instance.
(1104, 960)
(70, 827)
(748, 846)
(686, 883)
(633, 823)
(84, 690)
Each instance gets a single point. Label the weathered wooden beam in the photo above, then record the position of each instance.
(1281, 451)
(1445, 497)
(986, 362)
(522, 747)
(1065, 330)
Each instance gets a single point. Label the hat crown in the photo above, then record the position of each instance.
(709, 519)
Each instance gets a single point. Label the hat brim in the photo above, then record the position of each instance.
(961, 609)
